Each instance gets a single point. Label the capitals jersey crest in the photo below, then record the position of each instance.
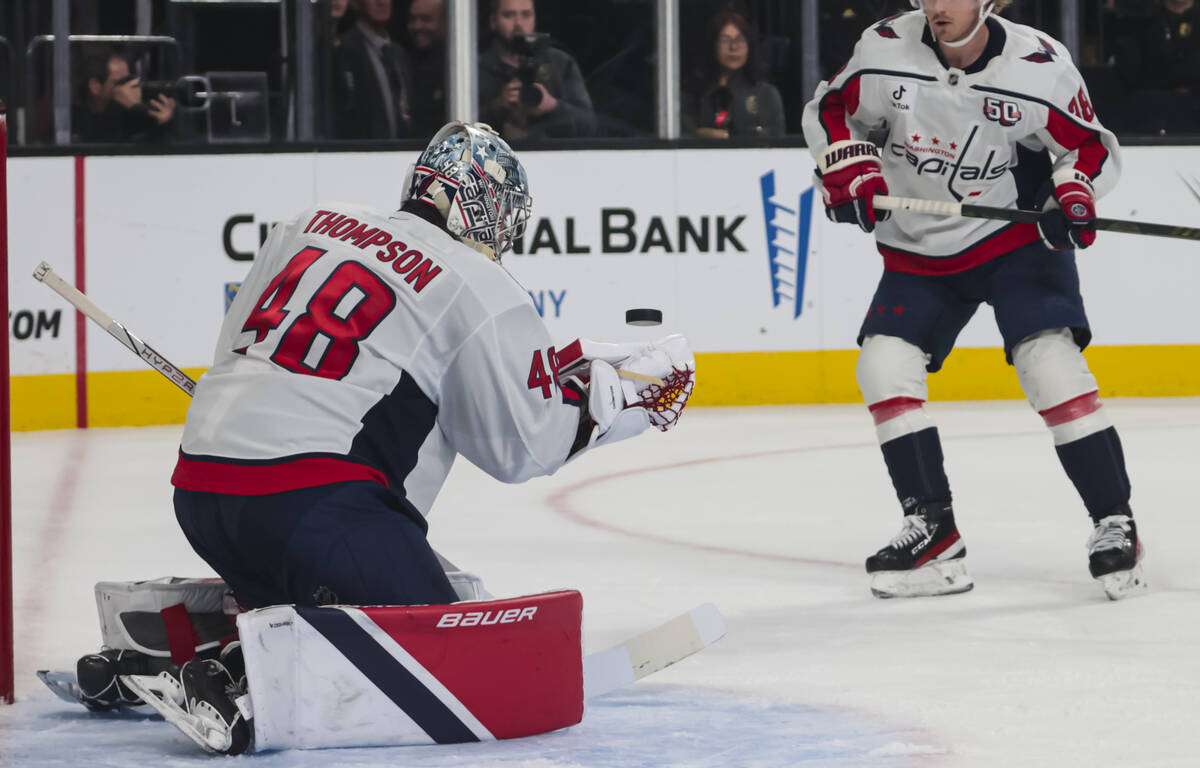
(1043, 55)
(884, 28)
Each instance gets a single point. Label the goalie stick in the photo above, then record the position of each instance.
(653, 650)
(46, 274)
(942, 208)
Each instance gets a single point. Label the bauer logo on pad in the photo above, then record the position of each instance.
(487, 618)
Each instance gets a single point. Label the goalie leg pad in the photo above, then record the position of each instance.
(170, 617)
(380, 676)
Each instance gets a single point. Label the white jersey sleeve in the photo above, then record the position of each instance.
(501, 407)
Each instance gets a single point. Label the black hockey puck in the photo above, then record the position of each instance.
(643, 317)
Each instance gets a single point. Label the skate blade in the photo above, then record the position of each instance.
(1122, 584)
(165, 695)
(62, 684)
(940, 577)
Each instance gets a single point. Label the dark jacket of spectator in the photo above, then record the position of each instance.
(115, 124)
(1162, 50)
(428, 99)
(370, 86)
(560, 75)
(1158, 57)
(749, 108)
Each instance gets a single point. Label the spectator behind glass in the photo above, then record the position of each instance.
(842, 24)
(370, 81)
(1158, 57)
(738, 102)
(427, 59)
(110, 107)
(528, 89)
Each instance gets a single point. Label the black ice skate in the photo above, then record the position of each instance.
(1115, 554)
(201, 702)
(926, 558)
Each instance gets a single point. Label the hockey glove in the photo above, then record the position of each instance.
(851, 176)
(1068, 205)
(619, 406)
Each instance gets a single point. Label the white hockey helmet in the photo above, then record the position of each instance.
(985, 7)
(473, 179)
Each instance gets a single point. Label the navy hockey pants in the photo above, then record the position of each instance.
(1031, 289)
(353, 543)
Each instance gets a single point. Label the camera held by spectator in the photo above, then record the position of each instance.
(116, 106)
(527, 87)
(528, 48)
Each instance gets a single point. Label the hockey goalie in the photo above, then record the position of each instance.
(363, 353)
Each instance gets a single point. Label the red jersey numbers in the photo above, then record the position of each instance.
(269, 312)
(1081, 107)
(343, 311)
(1006, 113)
(543, 372)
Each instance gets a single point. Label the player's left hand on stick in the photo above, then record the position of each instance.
(851, 176)
(1068, 203)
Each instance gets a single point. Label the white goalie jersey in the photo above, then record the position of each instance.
(364, 346)
(970, 136)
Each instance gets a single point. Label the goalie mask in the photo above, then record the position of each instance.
(473, 179)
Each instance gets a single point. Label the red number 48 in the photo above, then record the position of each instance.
(343, 311)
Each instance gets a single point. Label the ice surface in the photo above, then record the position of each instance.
(766, 512)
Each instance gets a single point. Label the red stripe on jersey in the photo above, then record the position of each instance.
(261, 479)
(836, 107)
(1004, 241)
(941, 547)
(886, 410)
(1075, 408)
(1071, 135)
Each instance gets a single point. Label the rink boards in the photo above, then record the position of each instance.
(732, 245)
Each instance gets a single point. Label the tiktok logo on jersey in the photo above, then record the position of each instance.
(904, 95)
(1007, 113)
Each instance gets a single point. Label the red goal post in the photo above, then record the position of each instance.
(6, 564)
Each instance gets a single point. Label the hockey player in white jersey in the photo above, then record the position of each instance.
(951, 102)
(363, 352)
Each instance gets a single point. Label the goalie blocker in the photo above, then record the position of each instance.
(385, 676)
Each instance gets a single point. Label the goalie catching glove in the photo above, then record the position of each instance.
(851, 175)
(620, 404)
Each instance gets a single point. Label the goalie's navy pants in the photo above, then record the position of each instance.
(351, 543)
